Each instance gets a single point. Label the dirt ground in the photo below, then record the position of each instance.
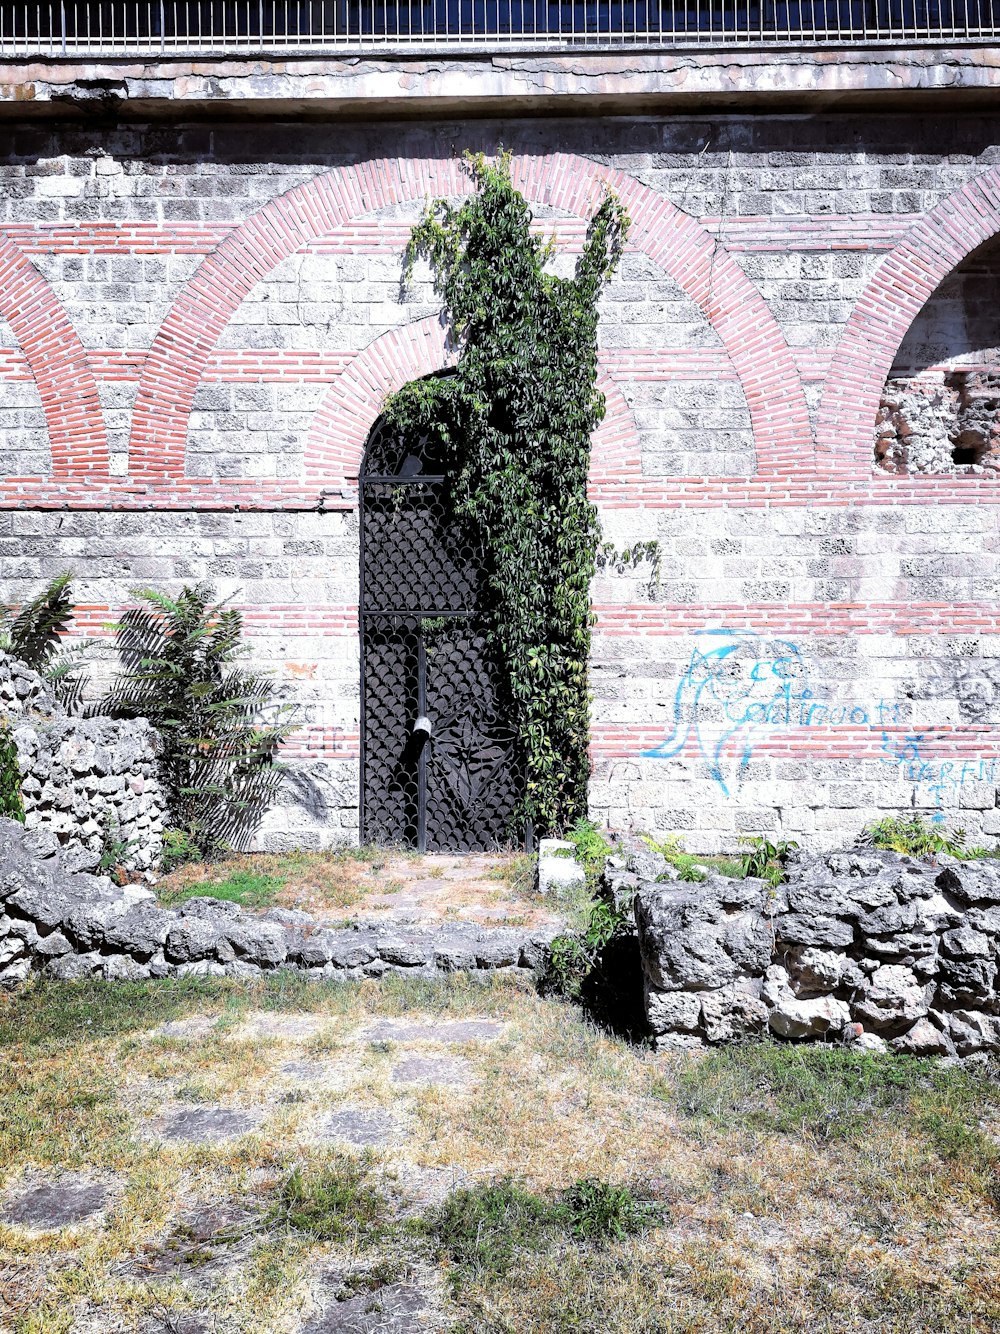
(423, 1155)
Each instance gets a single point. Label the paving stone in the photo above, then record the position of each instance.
(304, 1070)
(185, 1324)
(292, 1026)
(430, 1070)
(209, 1125)
(453, 1030)
(394, 1309)
(196, 1026)
(56, 1204)
(197, 1239)
(361, 1126)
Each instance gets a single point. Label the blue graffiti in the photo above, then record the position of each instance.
(739, 685)
(939, 776)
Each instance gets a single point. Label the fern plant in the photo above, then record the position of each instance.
(34, 634)
(221, 722)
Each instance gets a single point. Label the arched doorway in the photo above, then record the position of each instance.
(439, 768)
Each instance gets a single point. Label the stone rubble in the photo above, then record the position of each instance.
(858, 946)
(69, 924)
(83, 779)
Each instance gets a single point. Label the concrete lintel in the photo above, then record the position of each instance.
(418, 86)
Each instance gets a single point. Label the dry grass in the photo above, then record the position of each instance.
(794, 1198)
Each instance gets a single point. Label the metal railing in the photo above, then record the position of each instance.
(108, 28)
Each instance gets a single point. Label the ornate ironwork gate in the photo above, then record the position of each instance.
(438, 757)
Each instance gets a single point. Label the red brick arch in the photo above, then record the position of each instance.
(59, 366)
(340, 428)
(897, 293)
(678, 244)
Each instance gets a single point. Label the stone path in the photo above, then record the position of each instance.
(202, 1242)
(362, 1127)
(450, 1070)
(64, 1202)
(198, 1239)
(456, 1030)
(209, 1125)
(435, 888)
(396, 1308)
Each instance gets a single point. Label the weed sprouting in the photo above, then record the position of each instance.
(916, 837)
(597, 1211)
(332, 1202)
(765, 860)
(691, 866)
(591, 848)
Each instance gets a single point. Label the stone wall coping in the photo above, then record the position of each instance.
(415, 84)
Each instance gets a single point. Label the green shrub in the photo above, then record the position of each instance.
(590, 848)
(575, 956)
(34, 634)
(480, 1229)
(332, 1203)
(220, 722)
(11, 803)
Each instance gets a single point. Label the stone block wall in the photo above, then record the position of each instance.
(211, 316)
(85, 781)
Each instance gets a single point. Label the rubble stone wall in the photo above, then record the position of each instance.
(71, 925)
(861, 947)
(210, 312)
(87, 781)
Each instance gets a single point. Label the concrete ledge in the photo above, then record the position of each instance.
(480, 84)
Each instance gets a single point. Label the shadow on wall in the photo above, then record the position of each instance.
(940, 409)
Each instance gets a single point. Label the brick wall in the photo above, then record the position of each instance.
(198, 325)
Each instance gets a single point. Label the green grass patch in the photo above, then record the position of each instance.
(336, 1201)
(592, 1210)
(247, 888)
(49, 1015)
(837, 1094)
(482, 1231)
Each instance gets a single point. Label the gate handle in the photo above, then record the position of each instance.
(422, 727)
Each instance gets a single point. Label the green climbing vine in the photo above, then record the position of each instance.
(515, 422)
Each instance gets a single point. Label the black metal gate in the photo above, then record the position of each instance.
(438, 756)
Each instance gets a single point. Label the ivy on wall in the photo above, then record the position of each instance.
(515, 422)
